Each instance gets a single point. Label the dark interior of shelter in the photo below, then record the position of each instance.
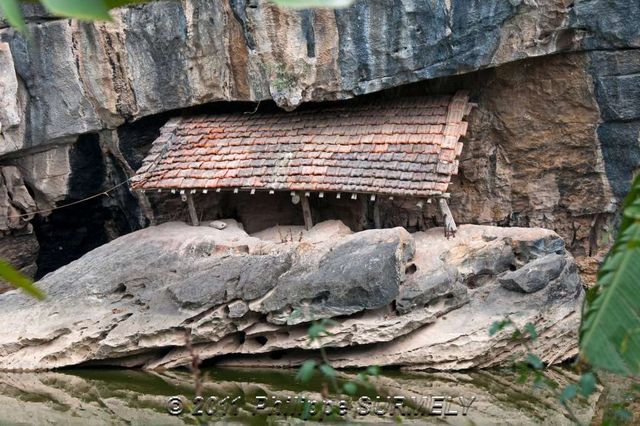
(263, 210)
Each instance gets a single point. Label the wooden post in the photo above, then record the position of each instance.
(376, 215)
(420, 207)
(450, 227)
(306, 212)
(192, 210)
(364, 212)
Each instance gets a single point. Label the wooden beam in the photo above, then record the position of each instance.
(192, 210)
(450, 227)
(306, 212)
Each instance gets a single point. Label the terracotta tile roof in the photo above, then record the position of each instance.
(406, 147)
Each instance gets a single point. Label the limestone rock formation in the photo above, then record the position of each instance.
(16, 209)
(425, 301)
(10, 112)
(553, 142)
(168, 55)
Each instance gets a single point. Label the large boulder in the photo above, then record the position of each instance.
(424, 301)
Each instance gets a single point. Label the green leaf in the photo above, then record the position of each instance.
(308, 4)
(328, 371)
(628, 336)
(587, 384)
(531, 329)
(624, 345)
(373, 370)
(294, 315)
(523, 375)
(552, 384)
(14, 277)
(306, 410)
(327, 322)
(611, 313)
(494, 328)
(498, 326)
(350, 388)
(90, 10)
(569, 393)
(316, 330)
(622, 414)
(306, 371)
(539, 379)
(534, 361)
(632, 211)
(11, 11)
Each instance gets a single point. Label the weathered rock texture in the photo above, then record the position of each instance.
(554, 141)
(16, 209)
(419, 300)
(533, 160)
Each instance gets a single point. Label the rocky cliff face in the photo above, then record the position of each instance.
(554, 140)
(397, 298)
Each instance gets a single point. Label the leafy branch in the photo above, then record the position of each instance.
(532, 364)
(17, 279)
(610, 329)
(316, 331)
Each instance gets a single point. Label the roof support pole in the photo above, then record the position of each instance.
(422, 226)
(364, 212)
(192, 210)
(376, 215)
(306, 212)
(450, 227)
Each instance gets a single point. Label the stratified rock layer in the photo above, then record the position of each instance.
(417, 300)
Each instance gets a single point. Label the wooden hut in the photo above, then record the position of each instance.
(407, 147)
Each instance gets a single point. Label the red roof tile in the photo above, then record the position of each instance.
(400, 147)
